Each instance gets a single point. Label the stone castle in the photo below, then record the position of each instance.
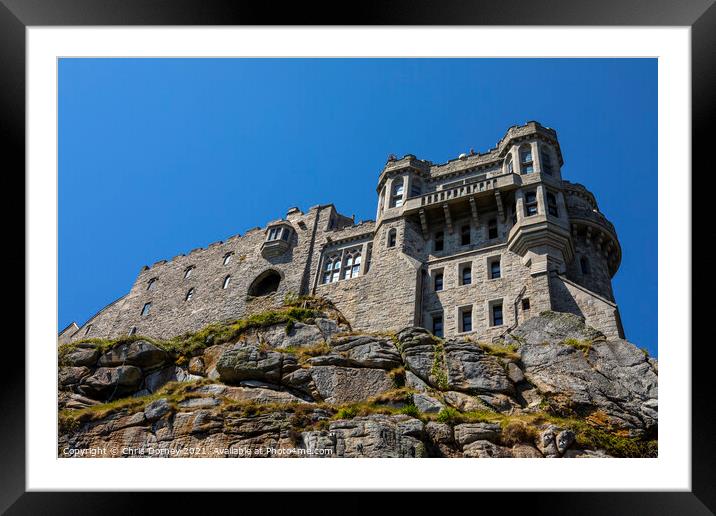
(473, 246)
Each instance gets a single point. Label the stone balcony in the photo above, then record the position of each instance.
(476, 188)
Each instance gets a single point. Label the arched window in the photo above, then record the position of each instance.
(227, 280)
(332, 269)
(151, 285)
(227, 258)
(509, 166)
(265, 283)
(526, 162)
(189, 295)
(392, 235)
(396, 199)
(584, 264)
(352, 267)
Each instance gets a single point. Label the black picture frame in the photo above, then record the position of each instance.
(17, 15)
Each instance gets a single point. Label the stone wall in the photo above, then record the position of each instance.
(598, 312)
(384, 297)
(171, 313)
(596, 277)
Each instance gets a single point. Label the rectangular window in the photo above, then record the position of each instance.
(145, 308)
(526, 161)
(513, 210)
(438, 281)
(466, 275)
(497, 314)
(439, 241)
(495, 271)
(530, 203)
(397, 198)
(438, 325)
(526, 303)
(492, 228)
(415, 189)
(466, 319)
(465, 235)
(552, 204)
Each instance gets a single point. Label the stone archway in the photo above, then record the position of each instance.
(265, 283)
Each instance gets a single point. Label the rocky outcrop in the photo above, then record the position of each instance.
(578, 370)
(553, 388)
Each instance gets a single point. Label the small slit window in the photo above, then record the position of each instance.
(152, 284)
(438, 281)
(492, 229)
(146, 308)
(510, 166)
(396, 200)
(526, 303)
(188, 272)
(465, 235)
(495, 270)
(496, 314)
(439, 241)
(227, 281)
(88, 330)
(530, 203)
(466, 275)
(437, 325)
(227, 258)
(189, 295)
(552, 204)
(133, 330)
(392, 235)
(466, 319)
(526, 163)
(584, 265)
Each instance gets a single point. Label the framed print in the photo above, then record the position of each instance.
(439, 245)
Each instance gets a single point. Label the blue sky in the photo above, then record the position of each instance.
(160, 156)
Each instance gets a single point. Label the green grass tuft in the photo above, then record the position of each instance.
(585, 346)
(500, 349)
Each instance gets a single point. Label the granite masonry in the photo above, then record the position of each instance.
(474, 246)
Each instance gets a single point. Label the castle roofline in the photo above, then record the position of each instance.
(429, 170)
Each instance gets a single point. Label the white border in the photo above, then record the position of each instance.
(671, 471)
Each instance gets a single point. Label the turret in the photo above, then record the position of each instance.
(540, 231)
(400, 180)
